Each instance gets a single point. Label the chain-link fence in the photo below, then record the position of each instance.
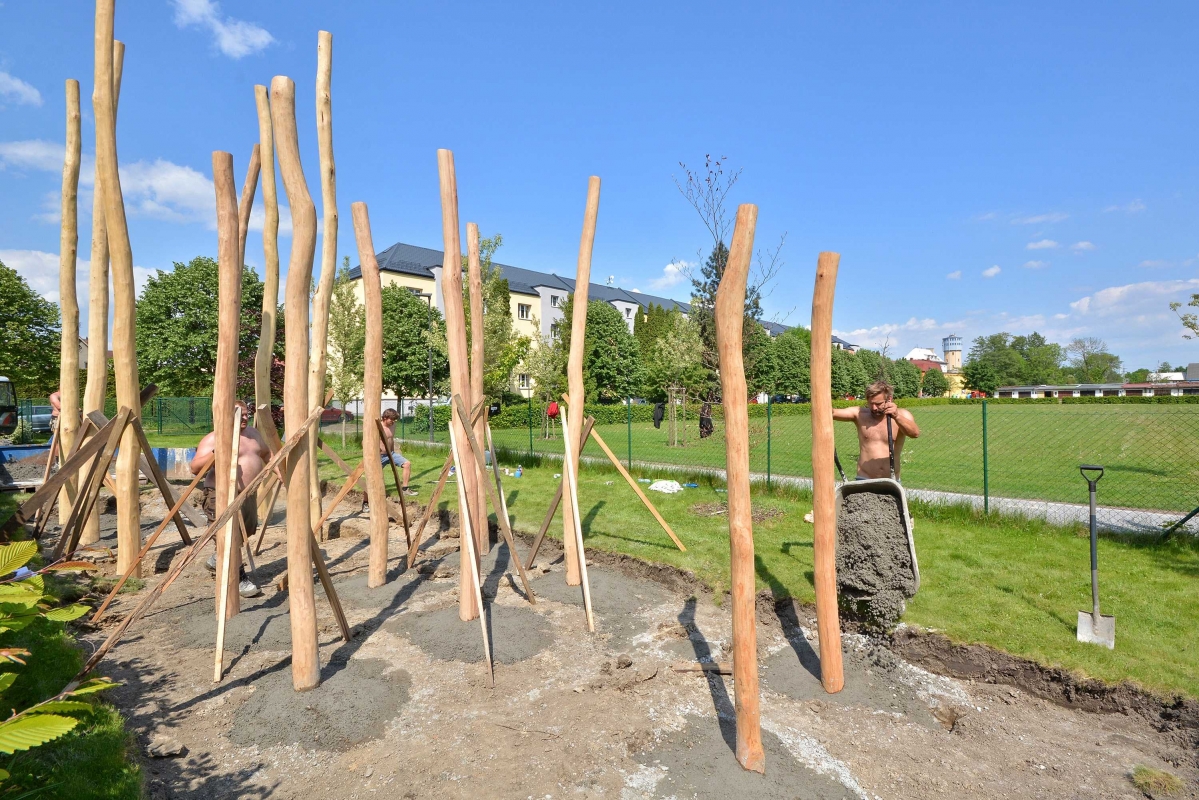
(165, 416)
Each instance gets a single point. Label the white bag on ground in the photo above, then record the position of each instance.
(666, 487)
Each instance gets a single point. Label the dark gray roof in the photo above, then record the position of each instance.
(1193, 371)
(843, 343)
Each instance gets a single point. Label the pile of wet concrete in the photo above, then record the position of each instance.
(875, 574)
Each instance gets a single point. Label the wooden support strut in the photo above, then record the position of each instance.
(266, 518)
(572, 495)
(395, 476)
(477, 357)
(226, 574)
(629, 478)
(549, 514)
(505, 528)
(90, 488)
(467, 538)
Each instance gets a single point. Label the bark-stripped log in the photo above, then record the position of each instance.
(68, 301)
(477, 359)
(263, 358)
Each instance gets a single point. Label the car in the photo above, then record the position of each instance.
(41, 419)
(331, 414)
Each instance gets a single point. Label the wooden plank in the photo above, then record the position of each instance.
(341, 495)
(226, 574)
(703, 667)
(333, 456)
(549, 514)
(629, 479)
(266, 517)
(395, 476)
(730, 322)
(160, 481)
(572, 492)
(466, 536)
(73, 528)
(322, 570)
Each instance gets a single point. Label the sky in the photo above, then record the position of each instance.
(979, 167)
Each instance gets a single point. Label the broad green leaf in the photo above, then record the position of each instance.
(94, 685)
(14, 603)
(6, 680)
(63, 706)
(26, 732)
(20, 589)
(16, 555)
(4, 775)
(67, 613)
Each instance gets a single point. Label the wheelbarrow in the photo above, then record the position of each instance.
(885, 486)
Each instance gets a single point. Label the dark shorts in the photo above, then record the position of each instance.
(249, 509)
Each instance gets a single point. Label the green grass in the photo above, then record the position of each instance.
(1156, 782)
(1013, 584)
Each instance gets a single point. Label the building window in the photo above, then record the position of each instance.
(414, 290)
(555, 300)
(554, 329)
(522, 380)
(628, 312)
(523, 309)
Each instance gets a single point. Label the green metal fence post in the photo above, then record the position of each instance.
(629, 427)
(402, 426)
(159, 399)
(986, 487)
(530, 427)
(769, 405)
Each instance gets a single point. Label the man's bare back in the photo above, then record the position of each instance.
(874, 459)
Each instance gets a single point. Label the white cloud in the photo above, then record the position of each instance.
(18, 91)
(954, 276)
(1038, 219)
(43, 156)
(258, 218)
(233, 37)
(1155, 263)
(168, 191)
(1043, 244)
(1130, 208)
(1082, 247)
(991, 272)
(895, 335)
(1137, 300)
(673, 274)
(1036, 264)
(986, 216)
(40, 270)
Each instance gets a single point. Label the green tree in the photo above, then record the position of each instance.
(981, 376)
(612, 361)
(934, 383)
(757, 349)
(177, 321)
(546, 367)
(905, 377)
(997, 352)
(675, 358)
(408, 342)
(793, 362)
(29, 336)
(347, 341)
(1091, 361)
(874, 365)
(1137, 375)
(849, 379)
(1042, 359)
(651, 324)
(1189, 319)
(503, 348)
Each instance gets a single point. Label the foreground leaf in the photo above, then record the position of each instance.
(26, 732)
(16, 555)
(67, 613)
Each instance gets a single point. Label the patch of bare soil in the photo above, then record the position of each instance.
(759, 513)
(403, 710)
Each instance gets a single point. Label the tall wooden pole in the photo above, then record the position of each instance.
(824, 512)
(248, 188)
(730, 321)
(265, 355)
(372, 394)
(97, 315)
(224, 385)
(305, 664)
(574, 368)
(455, 329)
(477, 360)
(124, 341)
(324, 289)
(68, 302)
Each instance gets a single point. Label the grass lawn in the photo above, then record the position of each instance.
(1012, 584)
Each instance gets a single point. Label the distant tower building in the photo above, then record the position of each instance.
(952, 346)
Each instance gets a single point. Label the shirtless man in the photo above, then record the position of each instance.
(874, 458)
(252, 455)
(387, 453)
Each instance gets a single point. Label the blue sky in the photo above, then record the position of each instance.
(1010, 166)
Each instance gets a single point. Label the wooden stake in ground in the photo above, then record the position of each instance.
(124, 341)
(474, 272)
(324, 289)
(570, 496)
(633, 484)
(97, 316)
(730, 322)
(68, 303)
(246, 204)
(225, 547)
(557, 501)
(824, 511)
(466, 536)
(305, 664)
(455, 329)
(574, 366)
(372, 394)
(263, 421)
(395, 477)
(224, 385)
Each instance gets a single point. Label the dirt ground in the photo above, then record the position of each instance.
(403, 710)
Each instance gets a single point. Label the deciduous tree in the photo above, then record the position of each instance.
(347, 341)
(934, 383)
(411, 330)
(29, 336)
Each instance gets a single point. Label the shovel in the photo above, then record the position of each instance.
(1093, 627)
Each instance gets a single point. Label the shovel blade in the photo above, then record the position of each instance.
(1101, 632)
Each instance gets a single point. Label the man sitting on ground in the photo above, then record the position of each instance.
(388, 453)
(252, 457)
(874, 460)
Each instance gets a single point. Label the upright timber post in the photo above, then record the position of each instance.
(730, 321)
(455, 331)
(224, 384)
(97, 288)
(372, 395)
(305, 664)
(475, 283)
(264, 357)
(68, 302)
(324, 289)
(574, 370)
(824, 513)
(248, 187)
(124, 342)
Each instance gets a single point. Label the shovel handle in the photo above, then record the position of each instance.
(891, 447)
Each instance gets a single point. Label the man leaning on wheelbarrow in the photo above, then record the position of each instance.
(874, 458)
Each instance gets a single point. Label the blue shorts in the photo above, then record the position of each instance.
(394, 458)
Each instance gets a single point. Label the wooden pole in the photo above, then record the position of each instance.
(571, 491)
(824, 512)
(264, 422)
(637, 489)
(324, 289)
(225, 546)
(549, 514)
(477, 360)
(85, 499)
(466, 536)
(68, 302)
(97, 315)
(395, 476)
(124, 341)
(372, 394)
(246, 204)
(730, 323)
(346, 488)
(574, 368)
(455, 326)
(224, 385)
(305, 663)
(266, 514)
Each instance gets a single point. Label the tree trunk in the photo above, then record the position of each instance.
(68, 302)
